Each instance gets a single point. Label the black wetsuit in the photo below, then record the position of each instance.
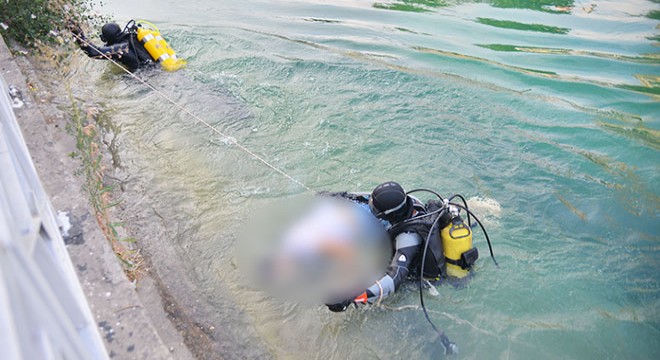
(127, 50)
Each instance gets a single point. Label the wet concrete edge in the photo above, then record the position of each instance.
(128, 329)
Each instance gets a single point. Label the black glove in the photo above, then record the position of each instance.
(339, 307)
(76, 30)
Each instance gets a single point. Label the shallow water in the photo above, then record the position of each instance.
(546, 110)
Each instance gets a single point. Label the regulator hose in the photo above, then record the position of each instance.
(450, 347)
(129, 25)
(129, 30)
(426, 190)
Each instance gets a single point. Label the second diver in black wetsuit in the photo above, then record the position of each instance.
(119, 45)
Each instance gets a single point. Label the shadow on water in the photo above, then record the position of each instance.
(411, 5)
(648, 81)
(505, 24)
(549, 6)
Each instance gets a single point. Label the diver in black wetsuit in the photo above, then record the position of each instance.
(390, 203)
(121, 46)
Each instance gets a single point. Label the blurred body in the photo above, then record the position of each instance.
(389, 203)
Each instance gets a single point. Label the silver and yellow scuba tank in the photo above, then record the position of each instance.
(456, 237)
(157, 47)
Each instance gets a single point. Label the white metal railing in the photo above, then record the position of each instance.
(43, 310)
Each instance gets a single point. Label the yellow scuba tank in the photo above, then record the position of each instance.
(457, 246)
(157, 47)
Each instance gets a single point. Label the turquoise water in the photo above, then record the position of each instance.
(545, 113)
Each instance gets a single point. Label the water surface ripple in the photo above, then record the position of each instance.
(547, 108)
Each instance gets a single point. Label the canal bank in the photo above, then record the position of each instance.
(133, 326)
(466, 99)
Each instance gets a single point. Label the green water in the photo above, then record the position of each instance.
(548, 109)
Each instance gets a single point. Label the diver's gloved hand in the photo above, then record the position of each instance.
(342, 306)
(339, 307)
(452, 349)
(361, 299)
(76, 30)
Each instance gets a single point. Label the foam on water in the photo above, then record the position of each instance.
(488, 210)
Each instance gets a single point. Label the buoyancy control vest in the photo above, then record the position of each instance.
(449, 251)
(434, 264)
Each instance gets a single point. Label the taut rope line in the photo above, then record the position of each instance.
(198, 119)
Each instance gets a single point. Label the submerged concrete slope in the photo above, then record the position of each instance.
(118, 313)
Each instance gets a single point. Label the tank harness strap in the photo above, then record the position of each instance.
(467, 259)
(458, 262)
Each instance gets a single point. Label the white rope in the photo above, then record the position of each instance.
(380, 293)
(200, 120)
